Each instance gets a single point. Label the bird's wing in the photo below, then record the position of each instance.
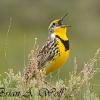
(44, 56)
(47, 53)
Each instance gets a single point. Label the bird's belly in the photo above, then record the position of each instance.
(59, 61)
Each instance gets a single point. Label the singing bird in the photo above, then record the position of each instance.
(55, 52)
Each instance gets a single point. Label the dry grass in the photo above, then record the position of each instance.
(38, 88)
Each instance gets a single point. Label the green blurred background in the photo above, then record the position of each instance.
(31, 18)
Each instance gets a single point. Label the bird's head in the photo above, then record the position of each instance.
(57, 28)
(56, 23)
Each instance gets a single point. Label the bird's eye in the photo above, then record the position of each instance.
(53, 24)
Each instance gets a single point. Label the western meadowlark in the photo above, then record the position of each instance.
(54, 52)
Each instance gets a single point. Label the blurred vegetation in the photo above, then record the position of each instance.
(77, 87)
(31, 18)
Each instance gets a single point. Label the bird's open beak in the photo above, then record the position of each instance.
(63, 17)
(63, 26)
(61, 20)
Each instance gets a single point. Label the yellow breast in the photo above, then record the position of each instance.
(60, 60)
